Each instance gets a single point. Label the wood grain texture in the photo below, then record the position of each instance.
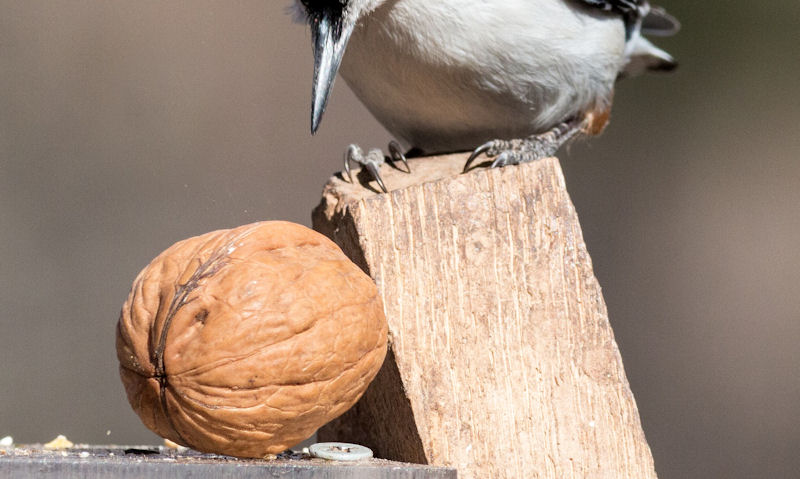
(503, 362)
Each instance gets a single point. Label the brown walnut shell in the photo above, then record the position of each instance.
(245, 341)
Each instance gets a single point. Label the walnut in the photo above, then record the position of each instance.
(245, 341)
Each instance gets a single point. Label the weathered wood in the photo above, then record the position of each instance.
(503, 363)
(82, 462)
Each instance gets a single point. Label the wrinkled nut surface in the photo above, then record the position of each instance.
(245, 341)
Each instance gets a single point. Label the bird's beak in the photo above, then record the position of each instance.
(330, 34)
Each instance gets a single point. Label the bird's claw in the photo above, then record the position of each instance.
(508, 157)
(396, 153)
(376, 173)
(514, 152)
(483, 149)
(373, 160)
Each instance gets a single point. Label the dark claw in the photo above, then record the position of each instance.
(353, 152)
(396, 152)
(371, 162)
(478, 152)
(505, 158)
(373, 169)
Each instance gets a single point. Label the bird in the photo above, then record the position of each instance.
(510, 79)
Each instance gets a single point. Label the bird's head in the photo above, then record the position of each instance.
(332, 22)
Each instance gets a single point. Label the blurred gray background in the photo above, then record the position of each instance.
(128, 125)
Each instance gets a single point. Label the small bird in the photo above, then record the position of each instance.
(511, 79)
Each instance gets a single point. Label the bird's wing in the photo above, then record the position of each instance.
(625, 7)
(640, 16)
(659, 23)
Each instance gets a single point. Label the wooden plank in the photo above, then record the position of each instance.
(503, 363)
(88, 462)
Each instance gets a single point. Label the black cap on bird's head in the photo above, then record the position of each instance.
(332, 23)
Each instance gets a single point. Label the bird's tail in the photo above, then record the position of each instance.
(642, 54)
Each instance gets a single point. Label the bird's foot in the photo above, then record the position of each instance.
(373, 160)
(536, 147)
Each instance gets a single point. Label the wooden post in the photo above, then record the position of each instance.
(502, 361)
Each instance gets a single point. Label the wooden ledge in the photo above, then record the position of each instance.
(88, 462)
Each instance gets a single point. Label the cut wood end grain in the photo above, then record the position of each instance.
(423, 170)
(339, 192)
(426, 169)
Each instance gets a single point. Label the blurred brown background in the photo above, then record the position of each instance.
(128, 125)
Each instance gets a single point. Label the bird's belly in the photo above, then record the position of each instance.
(439, 80)
(435, 110)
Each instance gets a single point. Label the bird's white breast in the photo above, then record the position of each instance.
(447, 75)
